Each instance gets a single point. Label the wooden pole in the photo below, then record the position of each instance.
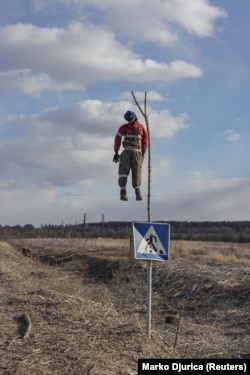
(145, 115)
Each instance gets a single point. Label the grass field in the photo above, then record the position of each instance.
(78, 306)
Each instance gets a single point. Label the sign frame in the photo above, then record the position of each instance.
(154, 237)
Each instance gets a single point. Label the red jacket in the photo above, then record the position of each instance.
(132, 128)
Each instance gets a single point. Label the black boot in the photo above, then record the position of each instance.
(138, 194)
(123, 196)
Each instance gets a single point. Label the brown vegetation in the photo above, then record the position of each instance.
(78, 305)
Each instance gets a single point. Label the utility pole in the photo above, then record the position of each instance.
(62, 229)
(149, 273)
(103, 218)
(84, 225)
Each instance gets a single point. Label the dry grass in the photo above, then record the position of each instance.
(86, 303)
(211, 252)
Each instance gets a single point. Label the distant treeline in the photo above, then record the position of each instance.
(233, 231)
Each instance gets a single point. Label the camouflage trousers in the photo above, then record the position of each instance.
(130, 160)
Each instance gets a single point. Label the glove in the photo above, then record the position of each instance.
(116, 158)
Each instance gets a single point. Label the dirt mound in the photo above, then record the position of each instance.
(85, 311)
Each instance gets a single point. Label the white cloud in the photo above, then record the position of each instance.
(27, 81)
(53, 58)
(59, 160)
(164, 125)
(158, 21)
(46, 204)
(195, 16)
(103, 119)
(38, 4)
(56, 162)
(214, 200)
(231, 135)
(75, 146)
(25, 203)
(36, 58)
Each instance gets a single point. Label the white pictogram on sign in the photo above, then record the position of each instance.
(151, 243)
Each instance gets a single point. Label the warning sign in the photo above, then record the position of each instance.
(151, 240)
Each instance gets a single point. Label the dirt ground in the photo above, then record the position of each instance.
(78, 307)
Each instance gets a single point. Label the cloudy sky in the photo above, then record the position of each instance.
(67, 69)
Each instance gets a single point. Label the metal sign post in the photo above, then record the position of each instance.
(151, 242)
(149, 298)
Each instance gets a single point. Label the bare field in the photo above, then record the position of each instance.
(78, 306)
